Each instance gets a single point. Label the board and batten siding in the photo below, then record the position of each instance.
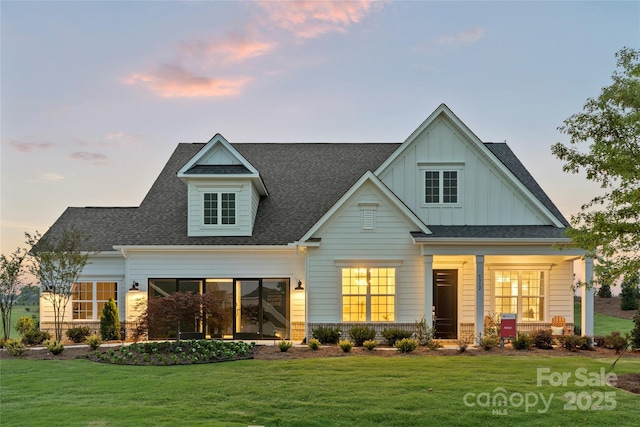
(245, 207)
(343, 239)
(486, 195)
(229, 263)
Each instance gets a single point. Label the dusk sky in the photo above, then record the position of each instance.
(96, 95)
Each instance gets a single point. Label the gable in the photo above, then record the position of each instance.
(370, 208)
(487, 192)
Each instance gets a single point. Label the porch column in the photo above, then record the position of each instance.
(479, 295)
(428, 289)
(587, 299)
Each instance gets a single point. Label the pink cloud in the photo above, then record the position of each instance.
(236, 48)
(27, 147)
(174, 81)
(307, 19)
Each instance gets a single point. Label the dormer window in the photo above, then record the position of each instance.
(219, 208)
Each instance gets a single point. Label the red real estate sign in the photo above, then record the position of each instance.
(507, 325)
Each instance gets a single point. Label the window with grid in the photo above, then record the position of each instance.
(82, 294)
(219, 208)
(520, 292)
(89, 298)
(368, 294)
(441, 186)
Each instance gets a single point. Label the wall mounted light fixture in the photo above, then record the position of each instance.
(299, 287)
(134, 286)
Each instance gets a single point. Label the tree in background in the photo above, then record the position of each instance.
(110, 321)
(608, 226)
(11, 268)
(605, 291)
(58, 261)
(629, 294)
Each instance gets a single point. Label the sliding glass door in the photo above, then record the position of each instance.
(261, 308)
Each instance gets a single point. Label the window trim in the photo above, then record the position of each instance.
(520, 269)
(368, 295)
(94, 301)
(219, 208)
(441, 169)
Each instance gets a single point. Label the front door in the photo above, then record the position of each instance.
(445, 299)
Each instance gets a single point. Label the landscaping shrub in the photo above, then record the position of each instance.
(35, 337)
(605, 291)
(462, 345)
(110, 321)
(599, 341)
(370, 344)
(406, 345)
(24, 325)
(488, 341)
(346, 345)
(314, 344)
(434, 344)
(360, 334)
(3, 342)
(15, 347)
(284, 345)
(575, 342)
(94, 341)
(522, 341)
(392, 335)
(55, 347)
(635, 333)
(78, 334)
(616, 342)
(542, 339)
(326, 334)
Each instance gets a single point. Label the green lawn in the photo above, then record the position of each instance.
(390, 391)
(603, 324)
(18, 312)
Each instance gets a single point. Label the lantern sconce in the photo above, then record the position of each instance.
(299, 287)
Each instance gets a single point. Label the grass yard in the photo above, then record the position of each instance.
(18, 312)
(349, 391)
(603, 324)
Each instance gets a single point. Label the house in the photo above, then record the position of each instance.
(293, 236)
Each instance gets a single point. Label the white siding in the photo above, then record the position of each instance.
(486, 196)
(245, 212)
(231, 263)
(343, 238)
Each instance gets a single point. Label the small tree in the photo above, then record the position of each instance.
(58, 260)
(629, 294)
(11, 269)
(635, 333)
(168, 315)
(605, 291)
(110, 321)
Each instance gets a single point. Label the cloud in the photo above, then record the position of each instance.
(308, 19)
(173, 81)
(52, 177)
(235, 49)
(27, 147)
(93, 158)
(462, 39)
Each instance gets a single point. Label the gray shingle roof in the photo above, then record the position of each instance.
(304, 181)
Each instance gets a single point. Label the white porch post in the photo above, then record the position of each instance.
(587, 299)
(479, 295)
(428, 289)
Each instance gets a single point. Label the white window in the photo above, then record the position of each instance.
(219, 208)
(368, 294)
(520, 292)
(89, 298)
(441, 186)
